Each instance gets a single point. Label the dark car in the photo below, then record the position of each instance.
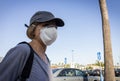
(117, 72)
(96, 72)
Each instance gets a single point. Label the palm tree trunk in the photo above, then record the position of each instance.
(108, 58)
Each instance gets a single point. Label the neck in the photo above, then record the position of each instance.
(38, 47)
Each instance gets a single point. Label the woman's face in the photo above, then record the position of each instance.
(42, 25)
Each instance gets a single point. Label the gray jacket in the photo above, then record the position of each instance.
(14, 61)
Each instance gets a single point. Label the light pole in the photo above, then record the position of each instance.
(72, 63)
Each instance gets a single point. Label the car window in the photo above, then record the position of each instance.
(67, 72)
(78, 72)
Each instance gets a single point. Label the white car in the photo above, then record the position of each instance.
(70, 74)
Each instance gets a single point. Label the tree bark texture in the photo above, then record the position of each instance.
(109, 74)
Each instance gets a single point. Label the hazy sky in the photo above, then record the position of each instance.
(82, 32)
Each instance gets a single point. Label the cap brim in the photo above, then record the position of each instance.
(59, 22)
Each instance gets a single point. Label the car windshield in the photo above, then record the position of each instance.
(54, 70)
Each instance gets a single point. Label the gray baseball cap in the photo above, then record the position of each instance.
(44, 16)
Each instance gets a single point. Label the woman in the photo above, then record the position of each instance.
(43, 32)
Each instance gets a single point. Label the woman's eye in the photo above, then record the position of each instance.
(45, 24)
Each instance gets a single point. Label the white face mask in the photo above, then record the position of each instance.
(48, 35)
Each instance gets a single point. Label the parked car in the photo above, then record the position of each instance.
(117, 72)
(71, 74)
(96, 74)
(88, 72)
